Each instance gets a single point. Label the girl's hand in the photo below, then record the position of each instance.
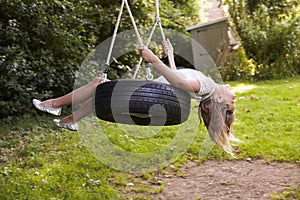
(167, 47)
(148, 55)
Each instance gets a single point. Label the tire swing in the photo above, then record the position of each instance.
(140, 102)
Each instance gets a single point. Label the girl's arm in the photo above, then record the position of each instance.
(169, 74)
(168, 49)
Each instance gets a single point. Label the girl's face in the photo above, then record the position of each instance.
(229, 98)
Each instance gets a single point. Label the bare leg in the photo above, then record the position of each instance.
(83, 111)
(77, 96)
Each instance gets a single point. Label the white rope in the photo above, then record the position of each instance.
(157, 8)
(157, 22)
(162, 31)
(134, 25)
(141, 59)
(124, 2)
(104, 75)
(158, 19)
(115, 33)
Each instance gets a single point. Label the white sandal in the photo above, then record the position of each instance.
(69, 126)
(53, 111)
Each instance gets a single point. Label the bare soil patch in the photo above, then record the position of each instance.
(239, 179)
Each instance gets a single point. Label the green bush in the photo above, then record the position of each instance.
(270, 35)
(39, 53)
(235, 65)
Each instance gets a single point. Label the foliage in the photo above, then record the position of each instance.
(40, 161)
(39, 53)
(270, 35)
(42, 43)
(290, 193)
(235, 65)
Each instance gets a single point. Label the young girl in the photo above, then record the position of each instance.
(216, 106)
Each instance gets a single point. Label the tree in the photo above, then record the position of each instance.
(270, 35)
(42, 43)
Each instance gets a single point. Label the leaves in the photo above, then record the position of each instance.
(269, 31)
(42, 43)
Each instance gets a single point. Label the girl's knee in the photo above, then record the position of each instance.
(94, 83)
(97, 81)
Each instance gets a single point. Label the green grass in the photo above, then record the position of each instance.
(39, 161)
(268, 120)
(291, 193)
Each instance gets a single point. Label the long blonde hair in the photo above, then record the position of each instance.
(218, 119)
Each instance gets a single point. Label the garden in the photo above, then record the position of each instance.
(43, 43)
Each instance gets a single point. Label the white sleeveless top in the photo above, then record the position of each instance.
(207, 85)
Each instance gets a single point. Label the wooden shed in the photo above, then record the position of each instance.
(214, 37)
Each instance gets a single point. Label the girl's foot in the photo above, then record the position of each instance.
(46, 106)
(67, 123)
(72, 126)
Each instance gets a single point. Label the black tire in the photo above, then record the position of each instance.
(141, 102)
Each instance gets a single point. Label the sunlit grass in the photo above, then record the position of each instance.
(268, 120)
(240, 88)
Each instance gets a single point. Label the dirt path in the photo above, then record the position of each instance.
(231, 180)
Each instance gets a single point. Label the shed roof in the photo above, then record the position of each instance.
(206, 24)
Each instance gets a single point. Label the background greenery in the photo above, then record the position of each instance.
(270, 34)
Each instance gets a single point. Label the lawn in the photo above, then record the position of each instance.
(39, 161)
